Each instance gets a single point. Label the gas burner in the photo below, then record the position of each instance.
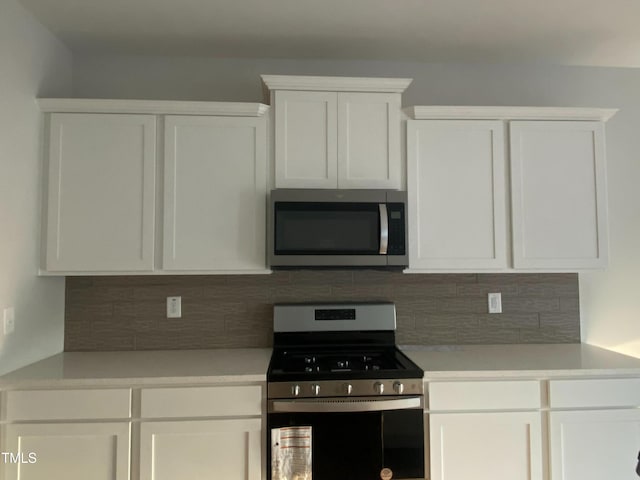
(310, 350)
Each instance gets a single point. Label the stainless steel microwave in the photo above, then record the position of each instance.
(337, 228)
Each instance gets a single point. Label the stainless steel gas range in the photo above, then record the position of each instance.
(336, 369)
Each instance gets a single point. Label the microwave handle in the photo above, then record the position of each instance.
(384, 229)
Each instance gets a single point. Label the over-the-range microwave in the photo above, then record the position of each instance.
(337, 228)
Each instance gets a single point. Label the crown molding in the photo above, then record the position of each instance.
(509, 113)
(154, 107)
(336, 84)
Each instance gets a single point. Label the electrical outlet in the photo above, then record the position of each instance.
(174, 307)
(9, 317)
(495, 303)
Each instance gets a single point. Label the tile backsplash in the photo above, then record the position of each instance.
(129, 312)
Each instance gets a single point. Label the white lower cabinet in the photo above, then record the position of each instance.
(201, 449)
(594, 444)
(70, 451)
(184, 432)
(211, 431)
(594, 428)
(485, 430)
(67, 434)
(486, 446)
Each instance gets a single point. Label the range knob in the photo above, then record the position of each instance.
(295, 390)
(348, 388)
(315, 389)
(398, 388)
(379, 388)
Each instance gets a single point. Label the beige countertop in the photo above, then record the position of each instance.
(144, 367)
(533, 361)
(250, 365)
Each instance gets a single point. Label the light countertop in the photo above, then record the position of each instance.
(534, 361)
(250, 365)
(144, 367)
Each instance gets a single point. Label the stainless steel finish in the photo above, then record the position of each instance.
(364, 404)
(398, 387)
(379, 387)
(384, 229)
(341, 388)
(295, 390)
(315, 389)
(332, 260)
(328, 195)
(299, 317)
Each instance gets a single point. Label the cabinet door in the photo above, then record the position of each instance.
(486, 446)
(215, 193)
(201, 449)
(73, 451)
(101, 193)
(369, 140)
(456, 190)
(558, 195)
(593, 445)
(305, 139)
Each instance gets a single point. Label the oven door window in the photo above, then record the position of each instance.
(357, 446)
(327, 228)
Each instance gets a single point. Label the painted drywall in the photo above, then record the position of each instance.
(34, 64)
(610, 300)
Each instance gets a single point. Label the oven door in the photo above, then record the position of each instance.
(357, 438)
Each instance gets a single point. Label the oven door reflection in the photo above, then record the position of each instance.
(358, 445)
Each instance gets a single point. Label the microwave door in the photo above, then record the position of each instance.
(384, 229)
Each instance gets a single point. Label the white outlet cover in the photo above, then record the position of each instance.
(9, 320)
(495, 302)
(174, 307)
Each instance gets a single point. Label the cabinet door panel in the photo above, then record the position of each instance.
(486, 446)
(101, 193)
(201, 449)
(368, 140)
(457, 194)
(305, 139)
(559, 195)
(99, 451)
(594, 445)
(215, 193)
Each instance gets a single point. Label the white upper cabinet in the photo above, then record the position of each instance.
(306, 139)
(101, 188)
(369, 140)
(214, 193)
(559, 199)
(457, 193)
(103, 202)
(467, 213)
(337, 132)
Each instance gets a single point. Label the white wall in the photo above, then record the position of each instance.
(610, 300)
(33, 63)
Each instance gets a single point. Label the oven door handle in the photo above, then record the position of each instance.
(343, 405)
(384, 229)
